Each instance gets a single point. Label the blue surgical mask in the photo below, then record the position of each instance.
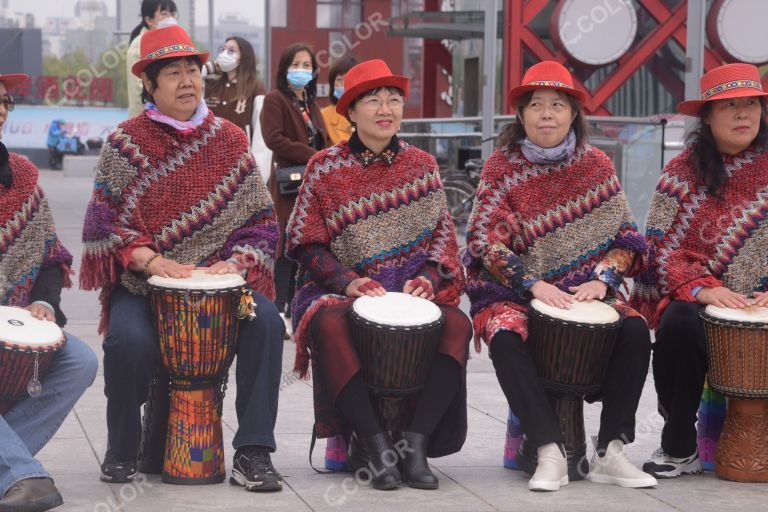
(299, 77)
(338, 92)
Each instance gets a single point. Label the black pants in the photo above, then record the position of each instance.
(679, 368)
(285, 283)
(624, 380)
(55, 158)
(131, 353)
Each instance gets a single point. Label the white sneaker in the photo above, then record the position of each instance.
(614, 468)
(663, 465)
(551, 471)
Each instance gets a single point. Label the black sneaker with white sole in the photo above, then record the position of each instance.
(252, 468)
(114, 471)
(663, 465)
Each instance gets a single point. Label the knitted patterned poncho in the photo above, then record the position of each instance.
(195, 197)
(28, 241)
(381, 217)
(696, 239)
(565, 223)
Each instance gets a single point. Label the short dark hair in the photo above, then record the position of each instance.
(153, 71)
(514, 132)
(373, 92)
(706, 158)
(340, 67)
(286, 59)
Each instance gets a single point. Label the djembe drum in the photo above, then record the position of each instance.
(571, 349)
(196, 321)
(737, 345)
(27, 349)
(396, 338)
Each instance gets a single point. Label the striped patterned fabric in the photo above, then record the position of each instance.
(711, 416)
(196, 197)
(28, 240)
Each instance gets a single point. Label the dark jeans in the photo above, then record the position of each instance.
(131, 353)
(624, 379)
(285, 283)
(679, 367)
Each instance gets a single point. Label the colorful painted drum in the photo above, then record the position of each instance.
(396, 337)
(196, 321)
(27, 349)
(737, 345)
(571, 349)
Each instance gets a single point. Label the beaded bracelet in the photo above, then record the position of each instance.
(149, 262)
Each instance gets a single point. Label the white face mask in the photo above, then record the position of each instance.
(167, 22)
(227, 61)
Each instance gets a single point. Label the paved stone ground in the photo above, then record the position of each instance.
(473, 480)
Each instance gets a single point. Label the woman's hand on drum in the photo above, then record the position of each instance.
(551, 295)
(594, 289)
(41, 312)
(364, 286)
(759, 299)
(419, 287)
(164, 267)
(222, 267)
(722, 297)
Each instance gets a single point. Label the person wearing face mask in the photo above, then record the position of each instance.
(235, 94)
(154, 14)
(294, 130)
(339, 128)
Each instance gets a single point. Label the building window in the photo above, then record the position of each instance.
(278, 13)
(339, 13)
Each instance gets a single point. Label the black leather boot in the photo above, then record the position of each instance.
(357, 456)
(416, 472)
(382, 467)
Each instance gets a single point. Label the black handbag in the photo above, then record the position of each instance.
(289, 179)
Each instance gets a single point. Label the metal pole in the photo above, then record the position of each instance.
(210, 26)
(267, 62)
(489, 74)
(694, 53)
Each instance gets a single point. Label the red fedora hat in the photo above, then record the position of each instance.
(11, 80)
(728, 81)
(166, 43)
(368, 75)
(547, 74)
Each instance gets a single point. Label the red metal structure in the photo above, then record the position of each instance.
(518, 38)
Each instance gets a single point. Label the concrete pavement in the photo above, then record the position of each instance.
(473, 480)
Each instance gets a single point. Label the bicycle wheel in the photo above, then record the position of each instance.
(459, 193)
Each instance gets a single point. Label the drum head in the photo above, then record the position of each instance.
(397, 310)
(587, 312)
(19, 327)
(199, 280)
(752, 314)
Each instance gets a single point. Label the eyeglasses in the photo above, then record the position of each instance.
(375, 103)
(7, 101)
(230, 51)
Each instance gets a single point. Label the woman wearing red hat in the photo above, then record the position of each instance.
(34, 267)
(706, 233)
(552, 223)
(371, 218)
(177, 188)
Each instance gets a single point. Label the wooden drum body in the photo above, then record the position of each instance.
(737, 345)
(28, 347)
(396, 337)
(196, 321)
(572, 349)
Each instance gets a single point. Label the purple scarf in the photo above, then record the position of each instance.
(539, 155)
(201, 112)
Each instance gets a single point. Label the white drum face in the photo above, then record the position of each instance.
(751, 314)
(397, 310)
(587, 312)
(199, 280)
(19, 327)
(595, 32)
(740, 29)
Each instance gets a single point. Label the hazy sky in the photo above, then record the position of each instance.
(252, 9)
